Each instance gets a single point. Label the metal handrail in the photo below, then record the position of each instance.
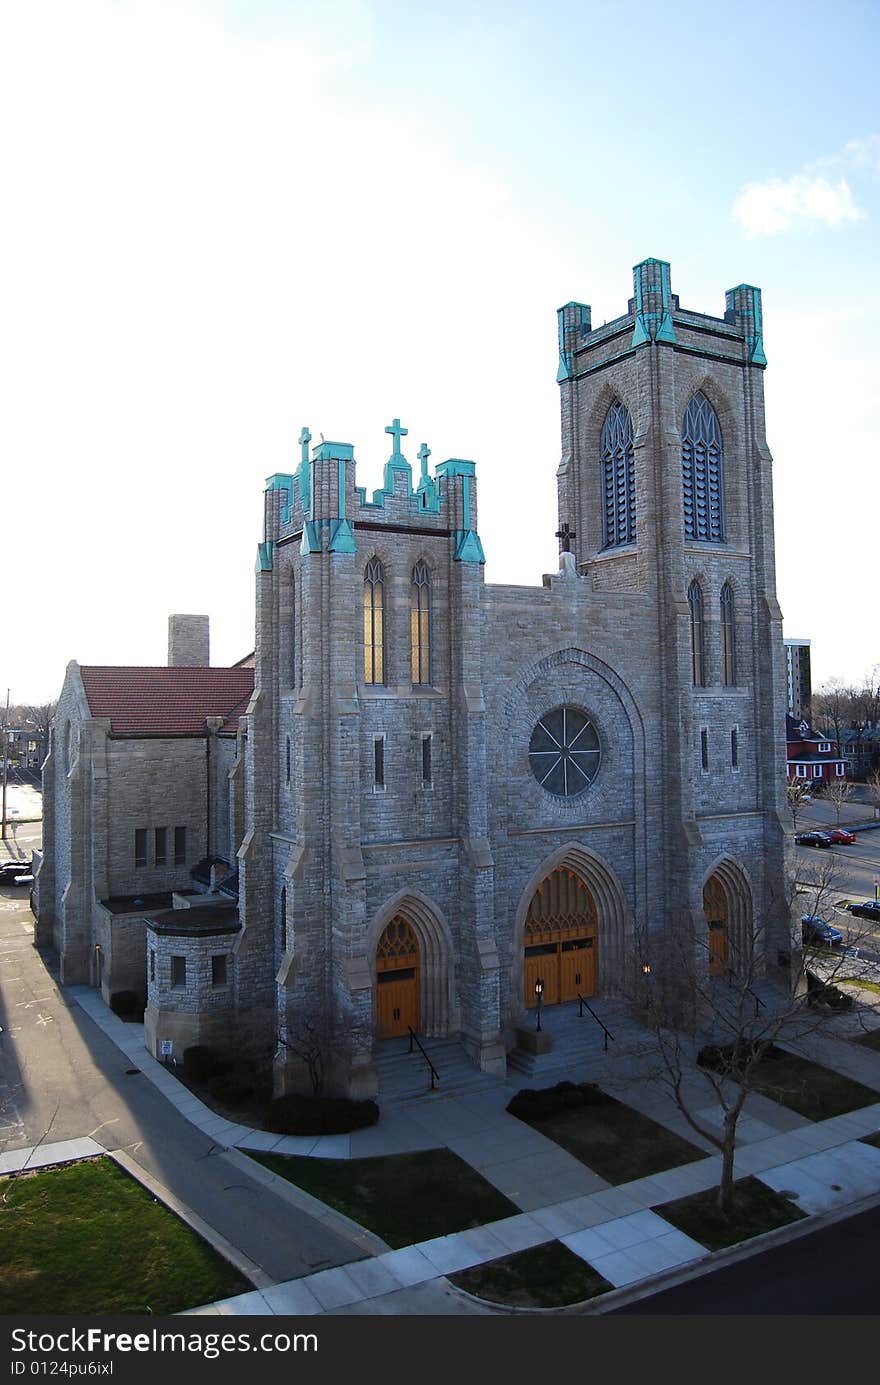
(414, 1038)
(759, 1004)
(606, 1032)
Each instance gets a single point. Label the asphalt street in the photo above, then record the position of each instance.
(61, 1078)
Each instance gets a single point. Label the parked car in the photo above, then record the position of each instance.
(820, 932)
(820, 839)
(866, 909)
(9, 870)
(841, 837)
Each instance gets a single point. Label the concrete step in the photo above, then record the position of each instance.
(404, 1076)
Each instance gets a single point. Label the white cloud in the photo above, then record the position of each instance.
(768, 209)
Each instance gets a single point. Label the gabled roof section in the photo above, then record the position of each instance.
(166, 701)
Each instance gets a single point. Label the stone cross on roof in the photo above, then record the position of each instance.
(305, 438)
(424, 454)
(566, 535)
(398, 432)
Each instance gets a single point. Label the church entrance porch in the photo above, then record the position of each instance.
(397, 980)
(561, 939)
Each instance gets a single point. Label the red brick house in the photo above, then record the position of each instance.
(810, 758)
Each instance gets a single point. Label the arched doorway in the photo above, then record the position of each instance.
(561, 939)
(715, 909)
(397, 979)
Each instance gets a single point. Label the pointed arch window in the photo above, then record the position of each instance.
(728, 637)
(374, 622)
(698, 634)
(420, 623)
(618, 478)
(702, 470)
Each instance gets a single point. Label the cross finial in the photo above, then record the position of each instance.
(398, 432)
(424, 454)
(305, 438)
(566, 535)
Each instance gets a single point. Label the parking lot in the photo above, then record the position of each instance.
(850, 870)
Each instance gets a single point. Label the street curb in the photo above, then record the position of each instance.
(334, 1220)
(245, 1266)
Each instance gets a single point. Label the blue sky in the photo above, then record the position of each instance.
(231, 219)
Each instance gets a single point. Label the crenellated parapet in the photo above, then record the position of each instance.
(322, 504)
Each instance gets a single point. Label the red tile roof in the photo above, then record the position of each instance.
(167, 701)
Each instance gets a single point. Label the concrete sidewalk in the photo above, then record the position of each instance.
(619, 1230)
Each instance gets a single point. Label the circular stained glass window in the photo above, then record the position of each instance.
(564, 752)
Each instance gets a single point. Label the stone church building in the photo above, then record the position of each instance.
(440, 790)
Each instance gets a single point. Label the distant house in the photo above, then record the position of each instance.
(25, 747)
(860, 748)
(810, 756)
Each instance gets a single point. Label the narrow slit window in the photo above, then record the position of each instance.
(427, 770)
(161, 846)
(140, 846)
(704, 747)
(734, 748)
(379, 762)
(180, 846)
(218, 969)
(178, 972)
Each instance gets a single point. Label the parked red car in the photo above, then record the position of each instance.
(841, 837)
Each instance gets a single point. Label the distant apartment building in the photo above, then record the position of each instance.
(797, 669)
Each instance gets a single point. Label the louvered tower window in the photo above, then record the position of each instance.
(618, 478)
(728, 637)
(420, 621)
(374, 622)
(702, 470)
(698, 652)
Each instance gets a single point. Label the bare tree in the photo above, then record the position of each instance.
(714, 1031)
(309, 1036)
(832, 707)
(796, 796)
(873, 782)
(837, 793)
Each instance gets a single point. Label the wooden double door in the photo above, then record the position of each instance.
(716, 912)
(397, 980)
(561, 940)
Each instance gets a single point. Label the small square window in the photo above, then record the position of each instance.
(161, 844)
(140, 846)
(178, 972)
(180, 846)
(218, 969)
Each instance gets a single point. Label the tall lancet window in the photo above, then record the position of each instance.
(420, 623)
(374, 622)
(618, 478)
(728, 637)
(698, 637)
(702, 471)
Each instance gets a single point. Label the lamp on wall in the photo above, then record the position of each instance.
(539, 999)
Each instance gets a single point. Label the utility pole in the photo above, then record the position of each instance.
(5, 763)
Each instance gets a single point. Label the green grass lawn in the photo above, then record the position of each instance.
(615, 1141)
(808, 1088)
(757, 1208)
(545, 1276)
(401, 1197)
(85, 1238)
